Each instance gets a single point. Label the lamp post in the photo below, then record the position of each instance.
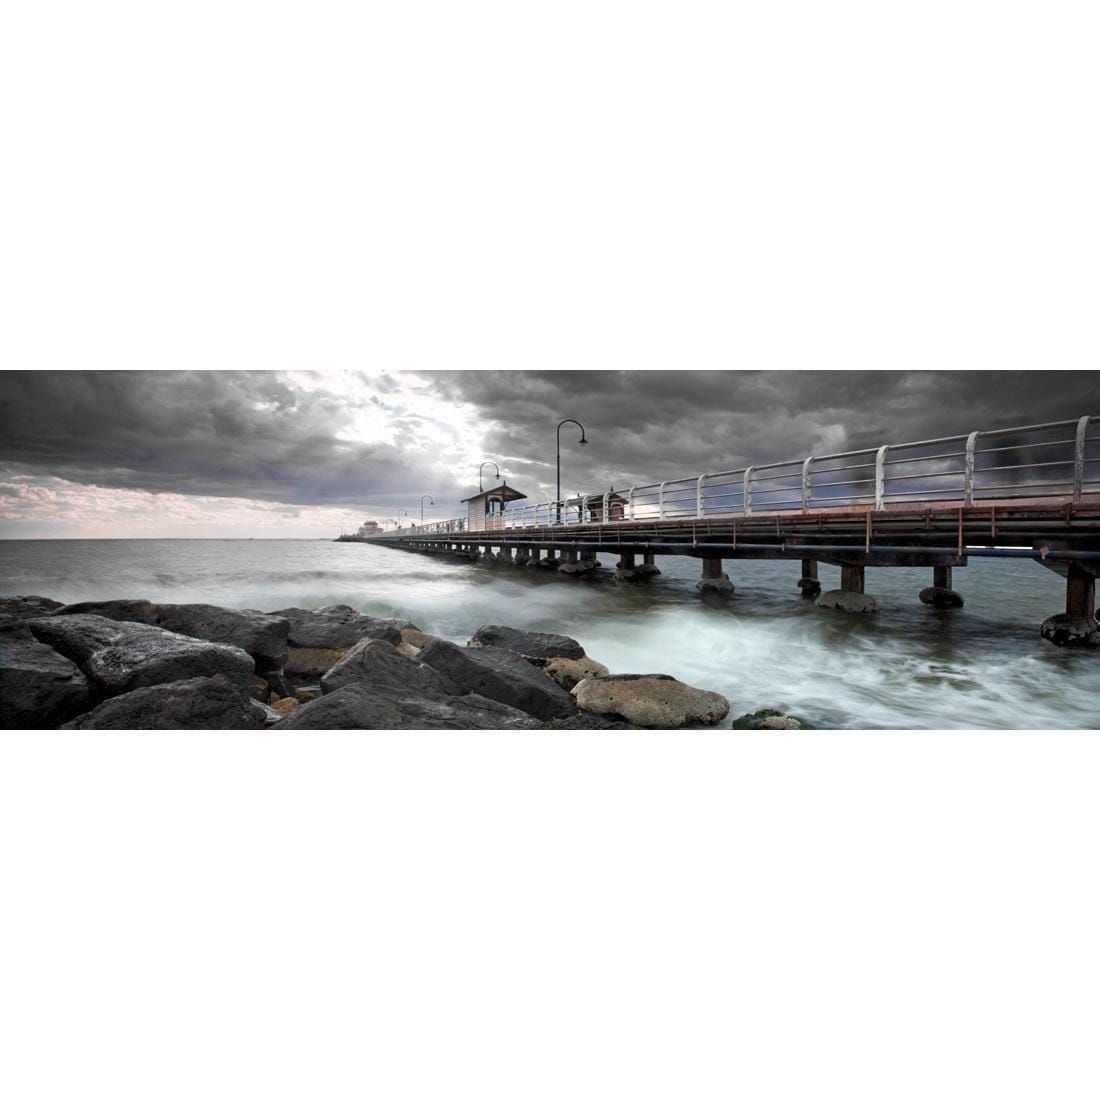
(426, 497)
(582, 441)
(480, 487)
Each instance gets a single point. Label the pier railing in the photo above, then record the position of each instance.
(1059, 459)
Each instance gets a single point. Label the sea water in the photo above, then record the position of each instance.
(910, 666)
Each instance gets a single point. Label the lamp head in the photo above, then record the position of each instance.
(583, 441)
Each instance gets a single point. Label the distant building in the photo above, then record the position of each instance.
(371, 527)
(485, 512)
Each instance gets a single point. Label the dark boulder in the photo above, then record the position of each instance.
(357, 707)
(39, 688)
(16, 608)
(537, 648)
(201, 703)
(380, 667)
(336, 627)
(499, 674)
(122, 656)
(264, 637)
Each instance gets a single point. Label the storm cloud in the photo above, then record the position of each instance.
(645, 426)
(376, 441)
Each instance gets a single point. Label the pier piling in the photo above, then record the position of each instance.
(715, 584)
(941, 594)
(810, 585)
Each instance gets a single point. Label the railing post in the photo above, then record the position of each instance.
(661, 500)
(746, 496)
(880, 478)
(968, 476)
(699, 496)
(807, 488)
(630, 504)
(1079, 457)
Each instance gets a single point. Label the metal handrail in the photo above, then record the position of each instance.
(710, 495)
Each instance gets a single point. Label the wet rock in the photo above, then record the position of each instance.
(940, 597)
(627, 575)
(122, 656)
(548, 563)
(413, 636)
(311, 663)
(857, 603)
(283, 707)
(200, 703)
(536, 647)
(263, 637)
(767, 719)
(307, 695)
(385, 671)
(811, 587)
(16, 608)
(357, 707)
(39, 688)
(587, 720)
(1071, 630)
(336, 627)
(260, 689)
(407, 650)
(501, 675)
(652, 701)
(567, 672)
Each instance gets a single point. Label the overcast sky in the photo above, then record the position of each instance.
(276, 454)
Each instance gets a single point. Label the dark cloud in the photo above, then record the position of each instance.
(258, 436)
(236, 434)
(644, 426)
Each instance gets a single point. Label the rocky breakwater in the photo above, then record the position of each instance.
(116, 665)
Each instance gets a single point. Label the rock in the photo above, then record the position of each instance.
(407, 650)
(567, 672)
(853, 602)
(16, 608)
(653, 701)
(716, 588)
(811, 587)
(308, 663)
(767, 719)
(122, 656)
(586, 720)
(260, 689)
(379, 665)
(412, 636)
(263, 637)
(280, 685)
(357, 707)
(39, 688)
(548, 563)
(336, 627)
(940, 597)
(1071, 630)
(199, 703)
(306, 695)
(536, 647)
(647, 569)
(284, 706)
(501, 675)
(627, 576)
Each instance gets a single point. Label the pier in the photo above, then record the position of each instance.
(1025, 492)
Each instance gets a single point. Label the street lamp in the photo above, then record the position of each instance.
(426, 497)
(583, 442)
(480, 487)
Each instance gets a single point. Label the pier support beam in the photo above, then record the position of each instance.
(941, 594)
(570, 566)
(850, 595)
(506, 555)
(810, 585)
(715, 585)
(1078, 626)
(532, 560)
(626, 570)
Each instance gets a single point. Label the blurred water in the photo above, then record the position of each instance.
(910, 666)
